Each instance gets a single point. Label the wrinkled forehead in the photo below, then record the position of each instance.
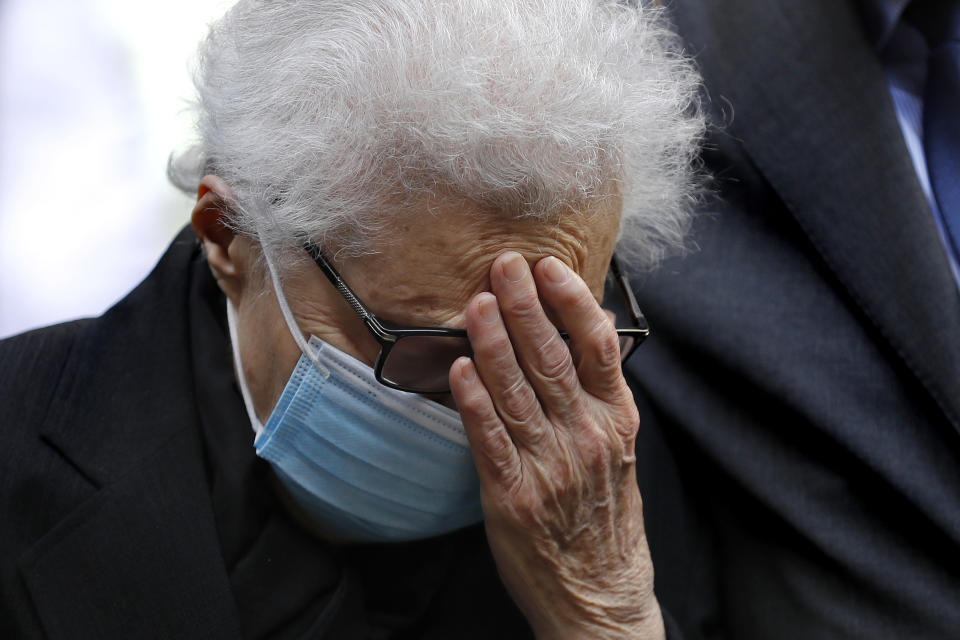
(434, 262)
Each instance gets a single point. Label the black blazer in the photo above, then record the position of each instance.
(804, 364)
(107, 525)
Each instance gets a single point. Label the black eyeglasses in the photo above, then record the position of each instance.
(418, 359)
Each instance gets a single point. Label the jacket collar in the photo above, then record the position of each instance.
(123, 370)
(142, 552)
(817, 120)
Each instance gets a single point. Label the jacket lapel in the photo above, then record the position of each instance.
(141, 556)
(817, 120)
(139, 559)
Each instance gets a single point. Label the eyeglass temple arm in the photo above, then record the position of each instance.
(334, 277)
(632, 307)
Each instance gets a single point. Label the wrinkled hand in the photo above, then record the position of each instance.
(552, 434)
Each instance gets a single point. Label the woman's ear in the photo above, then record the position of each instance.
(220, 244)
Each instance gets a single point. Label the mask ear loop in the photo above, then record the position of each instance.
(238, 363)
(288, 315)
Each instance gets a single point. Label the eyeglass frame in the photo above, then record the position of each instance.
(387, 337)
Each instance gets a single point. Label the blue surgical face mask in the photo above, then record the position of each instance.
(365, 462)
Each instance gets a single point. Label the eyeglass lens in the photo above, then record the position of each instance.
(422, 363)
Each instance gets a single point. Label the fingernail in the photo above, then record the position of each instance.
(467, 371)
(515, 268)
(556, 271)
(488, 310)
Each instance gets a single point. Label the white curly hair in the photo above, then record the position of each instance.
(328, 118)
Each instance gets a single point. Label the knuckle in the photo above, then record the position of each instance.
(554, 361)
(524, 305)
(495, 348)
(469, 400)
(475, 407)
(606, 345)
(495, 443)
(579, 299)
(471, 408)
(498, 446)
(630, 425)
(519, 401)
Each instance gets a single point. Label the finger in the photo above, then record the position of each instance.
(592, 333)
(494, 453)
(541, 352)
(574, 350)
(513, 398)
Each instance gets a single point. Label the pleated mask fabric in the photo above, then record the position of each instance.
(365, 462)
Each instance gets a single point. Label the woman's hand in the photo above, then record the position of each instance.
(552, 434)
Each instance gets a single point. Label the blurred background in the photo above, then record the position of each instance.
(92, 101)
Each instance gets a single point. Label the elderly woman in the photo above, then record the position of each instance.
(407, 211)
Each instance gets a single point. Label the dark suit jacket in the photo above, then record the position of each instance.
(804, 364)
(108, 523)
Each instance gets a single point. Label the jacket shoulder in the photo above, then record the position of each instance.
(31, 365)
